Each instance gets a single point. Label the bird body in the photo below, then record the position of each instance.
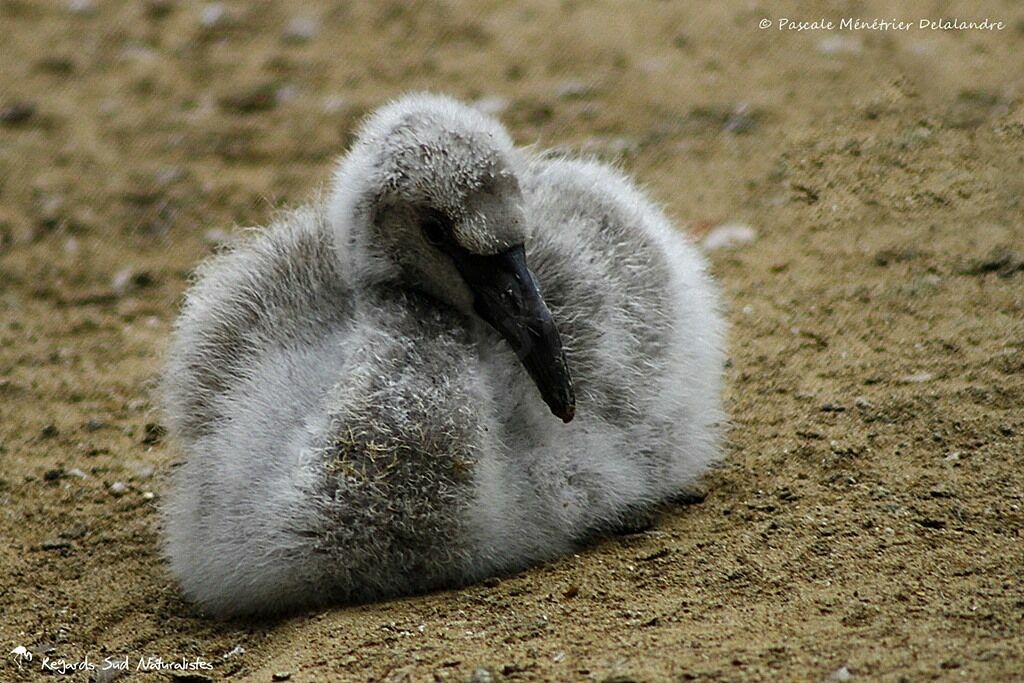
(356, 387)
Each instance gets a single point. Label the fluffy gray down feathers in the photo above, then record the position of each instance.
(352, 431)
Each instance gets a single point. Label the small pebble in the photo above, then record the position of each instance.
(144, 471)
(334, 104)
(214, 15)
(301, 29)
(840, 45)
(235, 651)
(286, 94)
(841, 674)
(743, 119)
(49, 431)
(492, 105)
(54, 544)
(916, 378)
(94, 424)
(481, 675)
(17, 113)
(77, 473)
(569, 90)
(148, 495)
(728, 235)
(282, 676)
(128, 279)
(217, 237)
(118, 489)
(81, 6)
(253, 99)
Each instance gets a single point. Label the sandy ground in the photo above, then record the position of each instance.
(868, 520)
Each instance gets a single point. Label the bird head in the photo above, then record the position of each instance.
(428, 196)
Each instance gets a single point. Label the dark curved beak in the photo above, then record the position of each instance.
(507, 296)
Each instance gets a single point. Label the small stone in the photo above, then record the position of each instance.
(840, 45)
(49, 431)
(841, 674)
(94, 424)
(570, 90)
(77, 473)
(54, 544)
(916, 378)
(81, 6)
(258, 98)
(218, 237)
(832, 408)
(144, 471)
(214, 15)
(492, 105)
(281, 676)
(16, 113)
(118, 489)
(148, 495)
(159, 9)
(334, 103)
(129, 279)
(728, 235)
(301, 30)
(743, 119)
(53, 475)
(481, 675)
(234, 652)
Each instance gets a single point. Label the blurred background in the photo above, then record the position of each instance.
(868, 520)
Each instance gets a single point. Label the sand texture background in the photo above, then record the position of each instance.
(868, 520)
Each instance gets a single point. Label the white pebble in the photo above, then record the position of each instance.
(728, 235)
(301, 29)
(213, 15)
(236, 650)
(121, 281)
(334, 103)
(118, 489)
(216, 237)
(81, 6)
(492, 105)
(841, 674)
(572, 89)
(835, 45)
(286, 94)
(916, 378)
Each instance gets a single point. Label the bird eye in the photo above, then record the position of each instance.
(435, 228)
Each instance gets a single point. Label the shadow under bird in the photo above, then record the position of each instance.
(466, 359)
